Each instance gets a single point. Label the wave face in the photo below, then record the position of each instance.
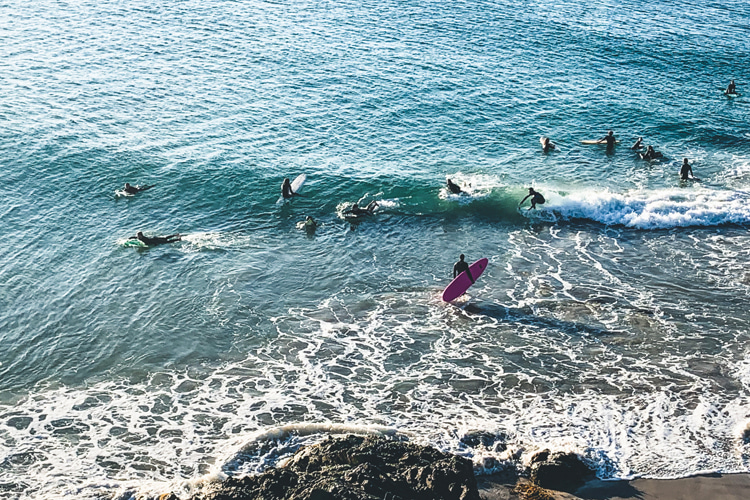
(611, 321)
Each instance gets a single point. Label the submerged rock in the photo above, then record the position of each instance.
(559, 471)
(357, 468)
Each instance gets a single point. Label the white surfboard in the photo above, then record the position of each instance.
(296, 186)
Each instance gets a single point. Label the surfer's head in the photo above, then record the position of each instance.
(610, 132)
(127, 185)
(139, 234)
(531, 190)
(461, 257)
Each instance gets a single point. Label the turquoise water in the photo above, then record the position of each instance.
(612, 323)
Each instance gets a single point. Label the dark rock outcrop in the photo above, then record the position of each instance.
(559, 471)
(357, 468)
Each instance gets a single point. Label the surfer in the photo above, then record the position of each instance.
(610, 139)
(638, 144)
(286, 189)
(731, 89)
(453, 187)
(462, 266)
(547, 145)
(310, 224)
(650, 154)
(685, 169)
(536, 198)
(135, 189)
(156, 240)
(357, 211)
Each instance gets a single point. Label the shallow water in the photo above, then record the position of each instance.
(612, 322)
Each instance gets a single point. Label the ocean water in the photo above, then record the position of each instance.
(612, 322)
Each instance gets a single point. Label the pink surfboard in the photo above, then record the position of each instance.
(461, 283)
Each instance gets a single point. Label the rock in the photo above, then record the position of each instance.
(559, 471)
(357, 468)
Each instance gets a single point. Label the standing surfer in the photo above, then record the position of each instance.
(685, 169)
(610, 139)
(462, 266)
(536, 198)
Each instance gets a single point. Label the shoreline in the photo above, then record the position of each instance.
(700, 487)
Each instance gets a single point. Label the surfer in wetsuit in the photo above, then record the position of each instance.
(135, 189)
(156, 240)
(356, 211)
(535, 198)
(731, 89)
(548, 145)
(638, 144)
(453, 187)
(286, 189)
(685, 169)
(462, 266)
(610, 139)
(650, 154)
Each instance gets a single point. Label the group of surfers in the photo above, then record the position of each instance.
(686, 171)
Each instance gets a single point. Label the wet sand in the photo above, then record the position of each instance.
(712, 486)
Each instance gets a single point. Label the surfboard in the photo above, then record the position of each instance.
(134, 243)
(296, 186)
(461, 283)
(603, 143)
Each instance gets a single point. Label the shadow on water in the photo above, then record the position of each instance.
(525, 316)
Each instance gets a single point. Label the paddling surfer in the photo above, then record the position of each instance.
(286, 189)
(462, 266)
(651, 154)
(136, 189)
(535, 198)
(356, 211)
(685, 169)
(453, 187)
(156, 240)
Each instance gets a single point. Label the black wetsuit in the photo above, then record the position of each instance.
(460, 267)
(157, 240)
(684, 171)
(611, 140)
(454, 189)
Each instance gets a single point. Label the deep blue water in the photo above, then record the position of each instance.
(612, 322)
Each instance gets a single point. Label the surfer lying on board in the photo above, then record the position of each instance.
(547, 146)
(638, 144)
(731, 89)
(453, 187)
(650, 154)
(462, 266)
(610, 139)
(286, 189)
(356, 211)
(135, 189)
(156, 240)
(536, 198)
(685, 169)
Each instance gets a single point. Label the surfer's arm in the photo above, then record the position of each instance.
(524, 199)
(471, 278)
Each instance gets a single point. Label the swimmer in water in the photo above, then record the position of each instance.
(535, 198)
(156, 240)
(650, 154)
(462, 266)
(548, 145)
(731, 88)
